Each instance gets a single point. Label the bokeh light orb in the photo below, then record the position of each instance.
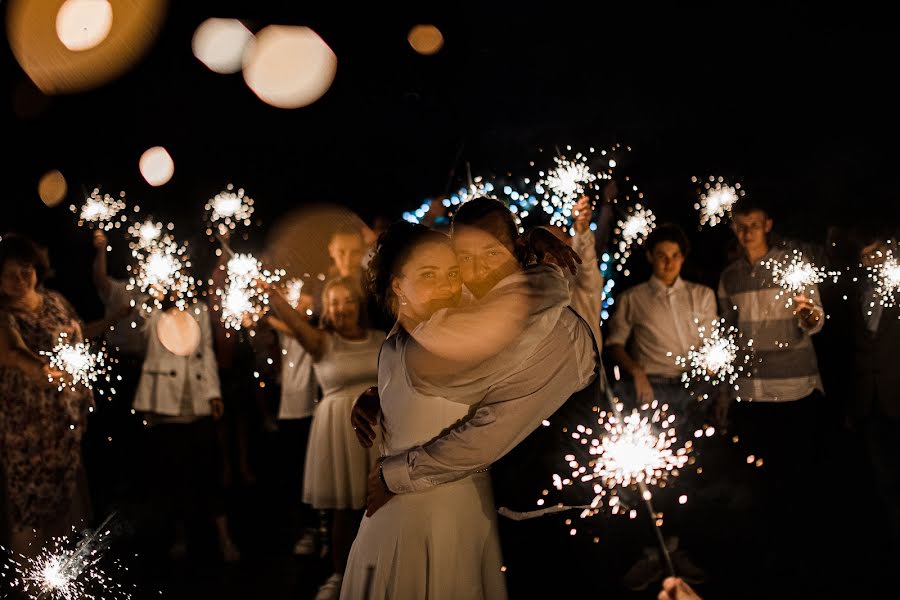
(157, 167)
(425, 39)
(52, 188)
(289, 66)
(220, 44)
(83, 24)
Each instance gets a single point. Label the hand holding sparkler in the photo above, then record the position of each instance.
(72, 364)
(675, 588)
(583, 213)
(56, 378)
(807, 312)
(100, 241)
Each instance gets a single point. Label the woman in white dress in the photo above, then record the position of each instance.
(441, 543)
(345, 361)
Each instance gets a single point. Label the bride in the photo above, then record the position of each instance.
(441, 543)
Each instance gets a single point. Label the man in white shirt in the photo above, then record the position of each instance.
(655, 322)
(658, 320)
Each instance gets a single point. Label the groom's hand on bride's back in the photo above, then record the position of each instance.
(364, 416)
(378, 493)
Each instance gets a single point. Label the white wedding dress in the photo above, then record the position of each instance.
(437, 544)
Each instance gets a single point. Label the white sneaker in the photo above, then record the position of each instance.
(331, 589)
(306, 545)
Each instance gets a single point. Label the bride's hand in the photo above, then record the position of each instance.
(364, 416)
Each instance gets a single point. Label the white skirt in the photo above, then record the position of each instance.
(439, 544)
(337, 467)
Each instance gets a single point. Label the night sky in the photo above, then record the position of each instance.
(798, 103)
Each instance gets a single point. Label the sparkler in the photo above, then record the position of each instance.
(145, 234)
(563, 185)
(796, 276)
(228, 209)
(886, 277)
(293, 290)
(716, 200)
(68, 570)
(244, 295)
(633, 231)
(625, 451)
(716, 360)
(100, 210)
(161, 268)
(83, 366)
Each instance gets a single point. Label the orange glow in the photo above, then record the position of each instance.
(425, 39)
(52, 188)
(67, 46)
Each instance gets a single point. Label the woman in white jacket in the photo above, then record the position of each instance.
(179, 396)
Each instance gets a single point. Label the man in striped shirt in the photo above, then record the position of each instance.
(780, 391)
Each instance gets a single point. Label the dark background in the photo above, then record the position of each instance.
(797, 102)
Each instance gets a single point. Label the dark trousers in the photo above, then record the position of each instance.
(881, 435)
(785, 521)
(293, 435)
(183, 472)
(690, 415)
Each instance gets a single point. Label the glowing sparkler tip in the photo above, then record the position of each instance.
(716, 201)
(100, 210)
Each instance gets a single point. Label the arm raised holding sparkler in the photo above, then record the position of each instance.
(99, 271)
(293, 322)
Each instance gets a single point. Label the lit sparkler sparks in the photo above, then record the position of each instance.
(716, 200)
(67, 569)
(633, 231)
(161, 271)
(886, 277)
(564, 184)
(145, 234)
(627, 450)
(717, 360)
(76, 360)
(100, 210)
(244, 296)
(228, 209)
(569, 179)
(796, 276)
(293, 290)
